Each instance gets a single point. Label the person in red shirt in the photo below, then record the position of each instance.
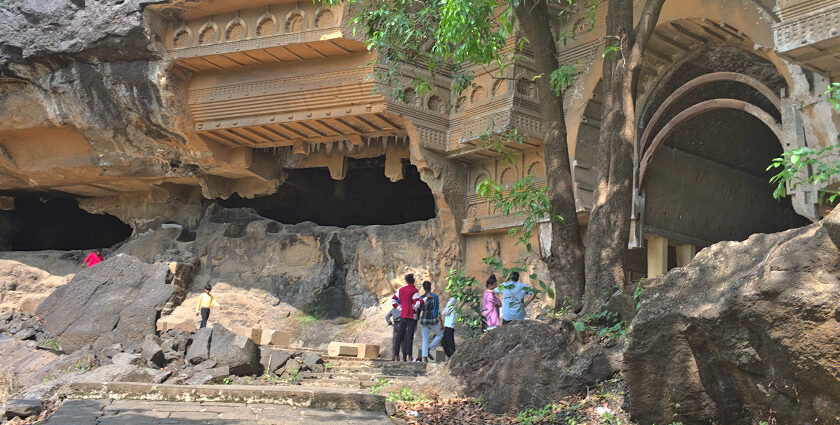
(94, 257)
(409, 301)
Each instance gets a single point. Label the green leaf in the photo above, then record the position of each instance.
(579, 326)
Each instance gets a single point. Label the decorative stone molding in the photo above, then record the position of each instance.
(812, 26)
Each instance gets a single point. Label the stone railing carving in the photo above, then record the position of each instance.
(803, 26)
(328, 94)
(252, 29)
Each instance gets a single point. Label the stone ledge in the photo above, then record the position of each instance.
(288, 395)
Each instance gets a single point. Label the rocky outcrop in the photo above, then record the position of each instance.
(116, 301)
(530, 364)
(255, 264)
(746, 332)
(91, 101)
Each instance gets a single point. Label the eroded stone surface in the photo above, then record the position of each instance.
(116, 301)
(747, 331)
(530, 364)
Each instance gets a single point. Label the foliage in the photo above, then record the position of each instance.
(604, 325)
(565, 308)
(292, 378)
(82, 365)
(552, 414)
(327, 366)
(466, 290)
(524, 198)
(50, 344)
(535, 416)
(381, 383)
(269, 378)
(313, 311)
(227, 381)
(406, 395)
(794, 164)
(638, 292)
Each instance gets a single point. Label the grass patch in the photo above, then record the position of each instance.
(304, 318)
(405, 395)
(382, 383)
(50, 344)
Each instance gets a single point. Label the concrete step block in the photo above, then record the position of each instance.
(353, 349)
(276, 338)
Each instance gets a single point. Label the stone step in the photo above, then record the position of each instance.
(295, 395)
(374, 363)
(363, 377)
(331, 383)
(395, 371)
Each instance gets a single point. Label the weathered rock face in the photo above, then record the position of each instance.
(746, 332)
(255, 263)
(91, 101)
(529, 364)
(116, 301)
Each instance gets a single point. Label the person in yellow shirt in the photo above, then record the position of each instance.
(205, 301)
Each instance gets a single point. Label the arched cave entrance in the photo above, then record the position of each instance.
(706, 181)
(364, 197)
(57, 223)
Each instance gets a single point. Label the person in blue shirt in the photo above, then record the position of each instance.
(513, 293)
(450, 316)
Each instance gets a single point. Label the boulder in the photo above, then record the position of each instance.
(528, 364)
(128, 358)
(292, 367)
(123, 373)
(22, 408)
(746, 332)
(175, 341)
(199, 350)
(119, 300)
(237, 352)
(208, 375)
(24, 334)
(310, 359)
(272, 359)
(152, 352)
(113, 350)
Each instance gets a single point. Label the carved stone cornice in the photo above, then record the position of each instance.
(317, 34)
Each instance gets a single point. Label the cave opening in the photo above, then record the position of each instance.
(364, 197)
(58, 224)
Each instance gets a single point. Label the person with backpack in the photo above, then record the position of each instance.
(430, 320)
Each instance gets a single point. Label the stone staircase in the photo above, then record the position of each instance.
(361, 374)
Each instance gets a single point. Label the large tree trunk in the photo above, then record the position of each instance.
(566, 261)
(609, 223)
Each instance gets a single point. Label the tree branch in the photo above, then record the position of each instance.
(644, 29)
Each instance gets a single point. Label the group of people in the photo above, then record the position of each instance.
(507, 298)
(501, 304)
(409, 307)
